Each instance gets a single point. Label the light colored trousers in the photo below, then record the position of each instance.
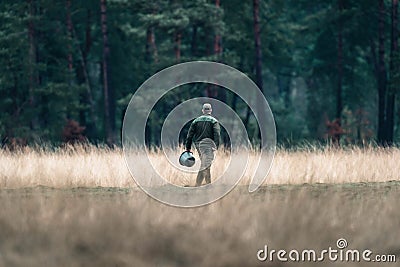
(206, 149)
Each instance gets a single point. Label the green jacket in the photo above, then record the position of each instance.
(205, 126)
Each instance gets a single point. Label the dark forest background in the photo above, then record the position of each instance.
(329, 68)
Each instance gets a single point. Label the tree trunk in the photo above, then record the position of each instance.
(69, 34)
(83, 77)
(148, 40)
(394, 71)
(381, 74)
(69, 49)
(247, 118)
(193, 44)
(258, 63)
(217, 38)
(216, 91)
(32, 57)
(109, 113)
(151, 48)
(257, 43)
(177, 46)
(339, 105)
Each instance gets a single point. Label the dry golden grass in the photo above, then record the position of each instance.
(92, 226)
(93, 167)
(114, 227)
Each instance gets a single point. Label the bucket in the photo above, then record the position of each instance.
(187, 159)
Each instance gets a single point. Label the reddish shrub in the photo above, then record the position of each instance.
(334, 130)
(73, 132)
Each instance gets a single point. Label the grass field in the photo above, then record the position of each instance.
(81, 208)
(92, 167)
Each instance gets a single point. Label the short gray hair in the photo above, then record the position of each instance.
(207, 108)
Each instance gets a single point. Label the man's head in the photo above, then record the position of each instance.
(207, 109)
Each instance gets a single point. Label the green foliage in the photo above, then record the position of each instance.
(299, 51)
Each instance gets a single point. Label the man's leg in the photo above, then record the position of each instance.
(206, 154)
(200, 177)
(205, 170)
(207, 174)
(200, 174)
(209, 159)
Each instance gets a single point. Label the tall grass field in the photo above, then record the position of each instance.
(79, 206)
(93, 167)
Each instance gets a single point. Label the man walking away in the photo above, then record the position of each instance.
(204, 132)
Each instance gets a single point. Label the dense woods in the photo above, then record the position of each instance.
(329, 68)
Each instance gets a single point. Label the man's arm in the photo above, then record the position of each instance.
(189, 137)
(216, 130)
